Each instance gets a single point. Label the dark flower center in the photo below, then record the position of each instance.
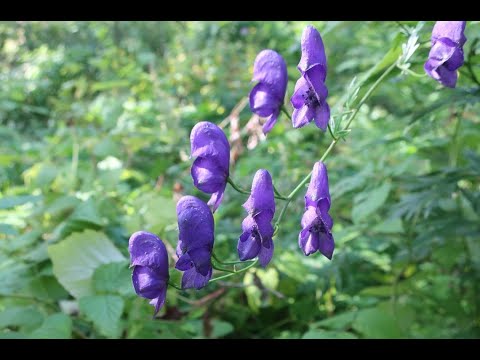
(310, 98)
(318, 227)
(255, 233)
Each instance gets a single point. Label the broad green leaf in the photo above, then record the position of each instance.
(367, 203)
(113, 278)
(21, 316)
(337, 322)
(221, 328)
(252, 292)
(56, 326)
(376, 323)
(8, 202)
(105, 312)
(76, 258)
(323, 334)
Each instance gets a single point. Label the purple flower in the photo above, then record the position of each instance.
(446, 54)
(310, 95)
(316, 223)
(195, 242)
(211, 167)
(256, 239)
(149, 259)
(266, 98)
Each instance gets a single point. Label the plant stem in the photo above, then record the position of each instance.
(228, 262)
(174, 286)
(245, 192)
(302, 183)
(284, 110)
(236, 272)
(331, 132)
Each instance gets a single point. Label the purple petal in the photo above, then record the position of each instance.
(302, 116)
(440, 53)
(322, 116)
(216, 198)
(266, 252)
(263, 220)
(262, 101)
(309, 218)
(201, 259)
(326, 245)
(184, 262)
(308, 242)
(208, 175)
(262, 195)
(323, 205)
(147, 249)
(456, 60)
(249, 248)
(301, 88)
(270, 69)
(318, 186)
(271, 121)
(315, 78)
(453, 30)
(195, 223)
(313, 50)
(147, 282)
(192, 279)
(159, 301)
(207, 139)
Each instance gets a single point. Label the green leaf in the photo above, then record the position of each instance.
(8, 202)
(252, 292)
(221, 328)
(21, 316)
(105, 312)
(337, 322)
(76, 258)
(56, 326)
(113, 278)
(367, 203)
(323, 334)
(376, 323)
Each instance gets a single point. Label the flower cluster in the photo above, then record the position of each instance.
(210, 171)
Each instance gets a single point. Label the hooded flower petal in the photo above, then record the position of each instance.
(149, 258)
(196, 236)
(316, 233)
(446, 54)
(210, 169)
(266, 98)
(256, 239)
(313, 51)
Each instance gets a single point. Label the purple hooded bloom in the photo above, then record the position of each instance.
(446, 54)
(195, 242)
(149, 259)
(266, 98)
(256, 239)
(310, 95)
(210, 169)
(316, 223)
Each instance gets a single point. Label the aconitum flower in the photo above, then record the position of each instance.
(310, 95)
(195, 242)
(446, 54)
(266, 98)
(149, 259)
(316, 234)
(210, 169)
(256, 239)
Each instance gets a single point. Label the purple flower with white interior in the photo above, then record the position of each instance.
(195, 242)
(310, 95)
(149, 259)
(210, 170)
(316, 234)
(446, 54)
(256, 239)
(266, 98)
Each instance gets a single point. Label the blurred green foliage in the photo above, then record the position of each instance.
(94, 144)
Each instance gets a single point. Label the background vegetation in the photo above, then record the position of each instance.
(94, 143)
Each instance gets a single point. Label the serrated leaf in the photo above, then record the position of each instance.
(367, 203)
(56, 326)
(105, 312)
(113, 278)
(76, 258)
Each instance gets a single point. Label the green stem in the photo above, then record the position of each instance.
(284, 110)
(331, 132)
(245, 192)
(302, 183)
(174, 286)
(277, 194)
(236, 272)
(219, 268)
(228, 262)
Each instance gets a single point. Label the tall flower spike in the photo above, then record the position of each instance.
(149, 259)
(195, 242)
(210, 169)
(310, 95)
(256, 239)
(266, 98)
(316, 234)
(446, 54)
